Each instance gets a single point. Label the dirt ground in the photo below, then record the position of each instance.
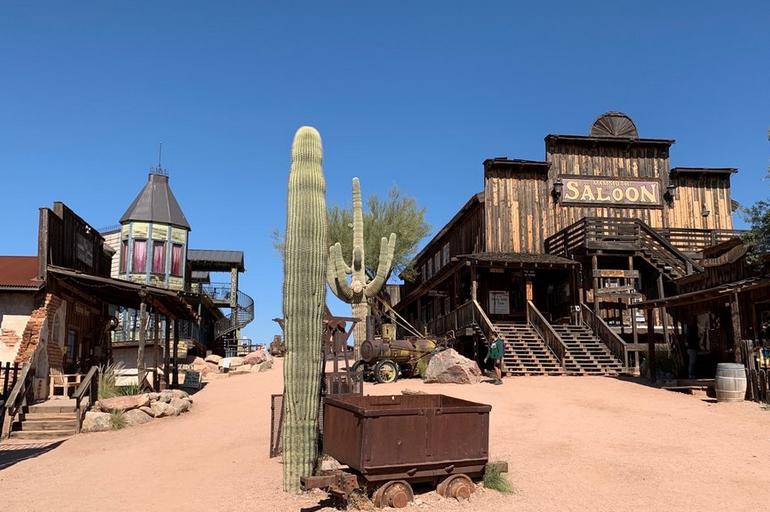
(572, 443)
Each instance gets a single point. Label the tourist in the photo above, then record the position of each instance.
(495, 353)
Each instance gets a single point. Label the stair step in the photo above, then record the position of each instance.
(42, 434)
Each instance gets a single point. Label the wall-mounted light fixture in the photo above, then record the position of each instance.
(557, 187)
(668, 195)
(705, 212)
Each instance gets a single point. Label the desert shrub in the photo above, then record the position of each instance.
(108, 374)
(117, 420)
(497, 480)
(131, 389)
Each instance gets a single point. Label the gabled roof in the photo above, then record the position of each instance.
(156, 203)
(19, 272)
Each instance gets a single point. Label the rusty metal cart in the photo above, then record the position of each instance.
(391, 442)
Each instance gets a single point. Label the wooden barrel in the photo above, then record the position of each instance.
(730, 382)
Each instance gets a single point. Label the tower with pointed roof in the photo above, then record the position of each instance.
(153, 236)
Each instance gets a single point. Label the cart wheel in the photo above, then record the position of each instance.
(357, 371)
(456, 486)
(386, 371)
(396, 494)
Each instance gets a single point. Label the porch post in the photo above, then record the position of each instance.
(474, 283)
(663, 312)
(735, 317)
(595, 275)
(651, 366)
(166, 350)
(175, 377)
(140, 370)
(155, 347)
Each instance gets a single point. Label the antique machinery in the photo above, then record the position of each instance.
(384, 360)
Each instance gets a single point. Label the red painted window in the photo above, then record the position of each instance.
(139, 262)
(123, 256)
(158, 257)
(176, 260)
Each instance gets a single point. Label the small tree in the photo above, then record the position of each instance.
(758, 237)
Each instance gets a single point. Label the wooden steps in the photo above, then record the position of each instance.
(54, 419)
(586, 354)
(525, 351)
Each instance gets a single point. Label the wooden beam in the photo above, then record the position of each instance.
(594, 267)
(735, 317)
(663, 312)
(651, 366)
(166, 350)
(140, 370)
(175, 382)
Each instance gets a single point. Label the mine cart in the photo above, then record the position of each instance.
(392, 442)
(384, 360)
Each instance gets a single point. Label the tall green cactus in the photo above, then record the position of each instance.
(304, 298)
(360, 289)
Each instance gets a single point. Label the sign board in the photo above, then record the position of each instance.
(499, 303)
(593, 191)
(192, 379)
(626, 274)
(85, 249)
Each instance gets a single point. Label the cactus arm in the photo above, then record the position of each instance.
(357, 261)
(387, 248)
(335, 274)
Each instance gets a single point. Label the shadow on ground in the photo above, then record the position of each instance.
(10, 454)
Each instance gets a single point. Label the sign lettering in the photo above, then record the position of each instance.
(607, 191)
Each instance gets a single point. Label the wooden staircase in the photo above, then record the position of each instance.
(54, 419)
(586, 354)
(525, 351)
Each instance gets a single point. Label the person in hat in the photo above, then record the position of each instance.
(495, 353)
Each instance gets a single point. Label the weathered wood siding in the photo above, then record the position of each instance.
(610, 159)
(696, 192)
(517, 208)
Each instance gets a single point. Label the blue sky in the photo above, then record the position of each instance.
(416, 94)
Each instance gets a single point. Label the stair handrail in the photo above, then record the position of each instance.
(546, 331)
(689, 263)
(17, 399)
(238, 318)
(486, 325)
(89, 385)
(617, 345)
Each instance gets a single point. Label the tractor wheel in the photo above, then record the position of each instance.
(357, 371)
(386, 371)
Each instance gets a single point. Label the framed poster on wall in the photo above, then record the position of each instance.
(499, 303)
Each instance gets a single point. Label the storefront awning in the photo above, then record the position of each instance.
(715, 293)
(123, 293)
(516, 259)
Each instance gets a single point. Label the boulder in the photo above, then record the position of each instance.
(96, 422)
(198, 361)
(179, 393)
(166, 396)
(123, 403)
(256, 357)
(179, 405)
(213, 358)
(231, 362)
(153, 396)
(244, 368)
(161, 409)
(147, 409)
(136, 417)
(449, 367)
(264, 366)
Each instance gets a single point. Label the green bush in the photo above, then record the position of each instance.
(117, 420)
(107, 379)
(131, 389)
(497, 480)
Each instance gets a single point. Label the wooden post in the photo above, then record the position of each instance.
(175, 377)
(140, 370)
(155, 346)
(595, 275)
(735, 317)
(651, 366)
(474, 283)
(234, 302)
(166, 350)
(663, 313)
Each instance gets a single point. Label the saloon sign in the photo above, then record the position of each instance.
(585, 190)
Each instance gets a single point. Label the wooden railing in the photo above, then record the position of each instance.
(619, 234)
(693, 240)
(89, 387)
(483, 321)
(463, 316)
(17, 400)
(9, 372)
(604, 332)
(544, 329)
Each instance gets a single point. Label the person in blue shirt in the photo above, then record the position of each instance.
(495, 353)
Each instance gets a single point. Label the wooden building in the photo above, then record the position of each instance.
(552, 253)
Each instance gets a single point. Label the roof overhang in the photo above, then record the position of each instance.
(587, 139)
(721, 292)
(513, 259)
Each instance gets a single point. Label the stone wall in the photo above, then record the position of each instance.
(37, 332)
(15, 311)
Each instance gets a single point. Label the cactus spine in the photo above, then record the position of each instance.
(360, 289)
(304, 298)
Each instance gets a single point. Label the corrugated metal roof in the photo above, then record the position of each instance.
(19, 272)
(156, 203)
(215, 260)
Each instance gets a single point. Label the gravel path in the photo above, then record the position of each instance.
(572, 443)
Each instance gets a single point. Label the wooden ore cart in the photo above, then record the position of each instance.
(391, 442)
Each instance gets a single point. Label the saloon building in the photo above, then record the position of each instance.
(555, 255)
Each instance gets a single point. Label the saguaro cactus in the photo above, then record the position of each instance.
(304, 298)
(360, 289)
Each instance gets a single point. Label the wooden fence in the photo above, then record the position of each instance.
(757, 372)
(9, 372)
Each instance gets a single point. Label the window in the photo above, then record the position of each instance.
(159, 257)
(445, 254)
(176, 260)
(139, 262)
(123, 256)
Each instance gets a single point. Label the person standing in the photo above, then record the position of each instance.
(495, 353)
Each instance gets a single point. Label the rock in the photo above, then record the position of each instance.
(153, 396)
(136, 417)
(96, 422)
(161, 409)
(213, 358)
(256, 357)
(123, 403)
(179, 405)
(244, 368)
(263, 366)
(408, 391)
(231, 362)
(166, 396)
(198, 361)
(179, 393)
(147, 409)
(449, 367)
